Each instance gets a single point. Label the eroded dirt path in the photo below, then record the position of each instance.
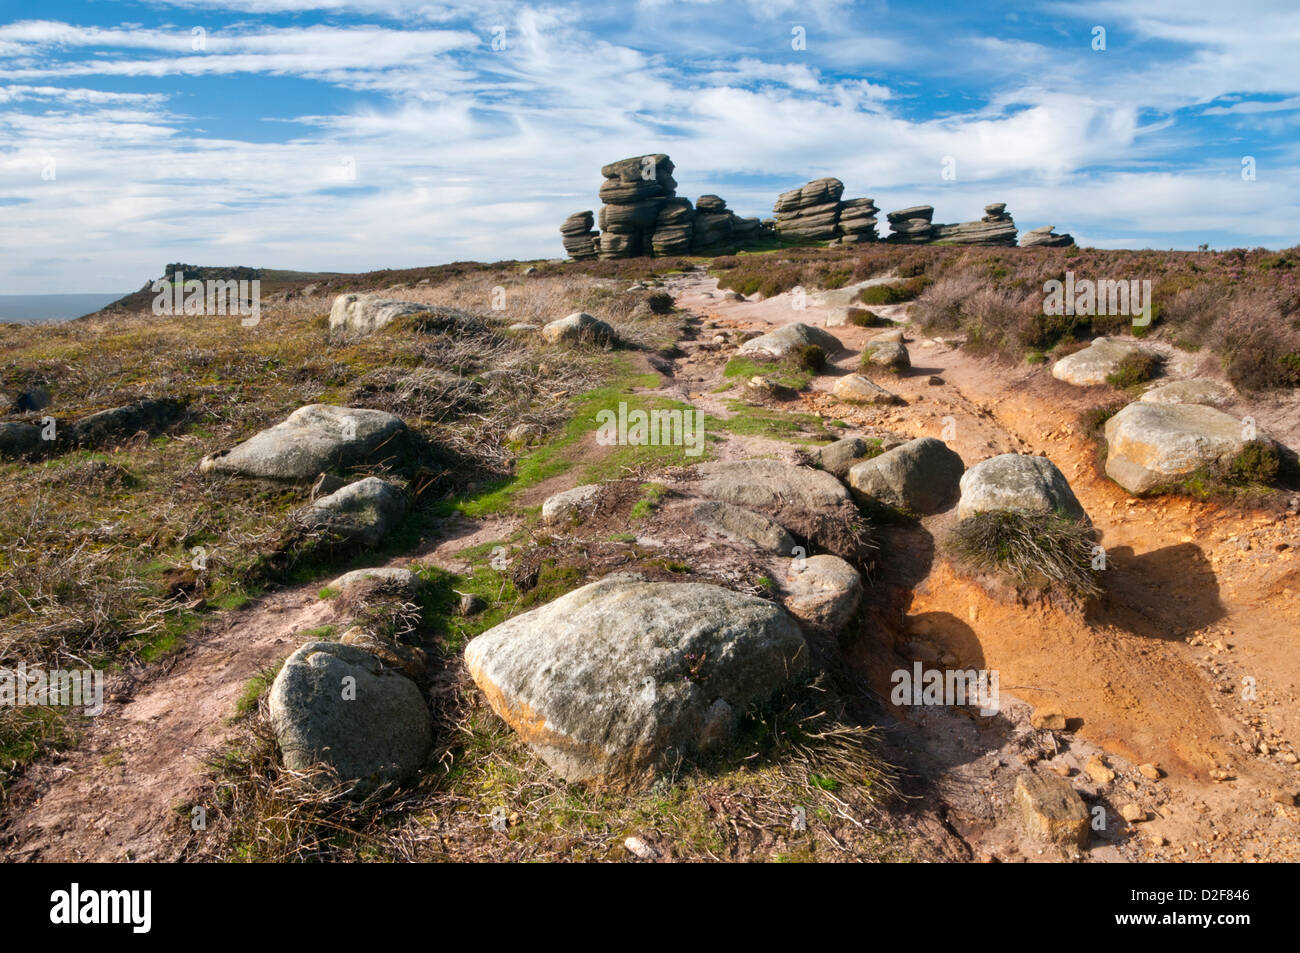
(1201, 608)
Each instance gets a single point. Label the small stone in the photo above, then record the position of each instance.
(1098, 771)
(471, 604)
(1132, 813)
(640, 849)
(1149, 771)
(1278, 796)
(1048, 719)
(1052, 809)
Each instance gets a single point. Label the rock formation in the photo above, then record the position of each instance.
(910, 226)
(580, 239)
(810, 212)
(1044, 237)
(995, 228)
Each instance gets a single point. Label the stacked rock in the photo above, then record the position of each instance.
(674, 228)
(911, 226)
(995, 228)
(712, 223)
(1044, 238)
(810, 212)
(634, 190)
(857, 221)
(579, 240)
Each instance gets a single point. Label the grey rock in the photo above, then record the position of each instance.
(312, 440)
(1150, 444)
(840, 456)
(788, 337)
(382, 733)
(622, 677)
(769, 483)
(920, 476)
(353, 315)
(745, 525)
(889, 354)
(1197, 390)
(569, 505)
(362, 512)
(380, 577)
(578, 327)
(20, 440)
(822, 590)
(1019, 483)
(1092, 365)
(111, 426)
(862, 390)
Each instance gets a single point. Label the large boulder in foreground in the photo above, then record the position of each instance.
(622, 677)
(1019, 483)
(310, 441)
(576, 328)
(768, 483)
(340, 705)
(362, 512)
(356, 314)
(790, 337)
(1096, 362)
(1149, 444)
(920, 476)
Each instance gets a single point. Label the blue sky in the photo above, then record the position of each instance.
(360, 134)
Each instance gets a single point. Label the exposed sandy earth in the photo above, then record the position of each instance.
(1196, 600)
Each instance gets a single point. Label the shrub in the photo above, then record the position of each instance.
(1134, 369)
(940, 306)
(864, 318)
(1031, 548)
(894, 293)
(1256, 343)
(1257, 463)
(660, 302)
(808, 357)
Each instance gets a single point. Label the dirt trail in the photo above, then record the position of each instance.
(1125, 673)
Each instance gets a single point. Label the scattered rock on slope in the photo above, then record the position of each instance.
(1020, 483)
(839, 456)
(621, 677)
(569, 505)
(338, 704)
(356, 314)
(768, 483)
(788, 337)
(1150, 444)
(921, 476)
(857, 389)
(19, 440)
(111, 426)
(1197, 390)
(362, 512)
(890, 354)
(1052, 810)
(310, 441)
(578, 327)
(823, 590)
(1092, 365)
(740, 523)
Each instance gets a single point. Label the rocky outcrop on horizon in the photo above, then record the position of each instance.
(643, 215)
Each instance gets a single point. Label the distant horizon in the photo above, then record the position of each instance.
(42, 308)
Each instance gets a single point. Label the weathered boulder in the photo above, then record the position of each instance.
(858, 389)
(920, 476)
(20, 440)
(822, 590)
(839, 456)
(579, 240)
(310, 441)
(888, 354)
(569, 505)
(1044, 237)
(356, 314)
(621, 677)
(1149, 444)
(362, 512)
(578, 327)
(788, 337)
(381, 577)
(338, 704)
(910, 225)
(1092, 365)
(1020, 483)
(1197, 390)
(110, 426)
(745, 525)
(768, 483)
